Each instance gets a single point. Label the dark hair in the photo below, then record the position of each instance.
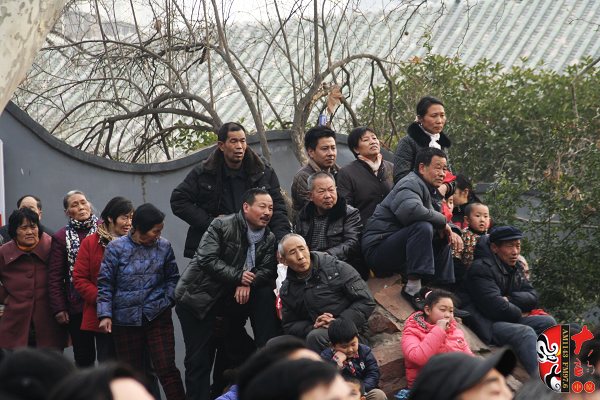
(356, 381)
(69, 194)
(116, 207)
(289, 380)
(469, 207)
(354, 138)
(227, 127)
(312, 136)
(463, 182)
(145, 217)
(275, 350)
(433, 296)
(37, 200)
(30, 374)
(249, 195)
(425, 156)
(92, 384)
(18, 216)
(341, 330)
(319, 174)
(426, 102)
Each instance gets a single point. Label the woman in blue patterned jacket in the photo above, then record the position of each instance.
(136, 284)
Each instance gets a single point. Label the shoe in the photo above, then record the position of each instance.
(416, 301)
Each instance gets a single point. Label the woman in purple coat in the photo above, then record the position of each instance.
(27, 319)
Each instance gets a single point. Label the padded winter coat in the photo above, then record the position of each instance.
(364, 367)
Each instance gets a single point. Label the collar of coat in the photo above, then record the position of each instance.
(11, 253)
(337, 211)
(315, 266)
(312, 164)
(422, 139)
(252, 162)
(240, 218)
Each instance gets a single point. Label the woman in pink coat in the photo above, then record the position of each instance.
(27, 319)
(430, 332)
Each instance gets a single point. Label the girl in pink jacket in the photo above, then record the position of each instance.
(430, 332)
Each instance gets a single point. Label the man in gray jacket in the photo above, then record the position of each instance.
(407, 232)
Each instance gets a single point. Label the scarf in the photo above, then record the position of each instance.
(434, 138)
(72, 239)
(105, 237)
(253, 238)
(373, 165)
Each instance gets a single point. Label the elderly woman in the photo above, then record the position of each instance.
(426, 131)
(136, 286)
(368, 179)
(27, 319)
(116, 218)
(65, 301)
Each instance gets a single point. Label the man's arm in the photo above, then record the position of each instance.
(208, 256)
(266, 265)
(184, 202)
(292, 322)
(408, 208)
(350, 245)
(355, 288)
(526, 298)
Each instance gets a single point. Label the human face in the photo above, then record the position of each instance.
(450, 202)
(525, 266)
(443, 309)
(323, 194)
(78, 207)
(508, 251)
(354, 390)
(434, 120)
(461, 196)
(150, 237)
(121, 225)
(337, 390)
(350, 349)
(435, 172)
(297, 255)
(28, 234)
(479, 218)
(304, 353)
(234, 148)
(491, 387)
(258, 214)
(325, 153)
(31, 203)
(128, 388)
(368, 145)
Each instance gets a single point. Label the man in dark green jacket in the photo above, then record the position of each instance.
(230, 278)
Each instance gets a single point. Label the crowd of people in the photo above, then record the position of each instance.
(107, 284)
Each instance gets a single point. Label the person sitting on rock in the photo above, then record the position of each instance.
(352, 358)
(431, 331)
(328, 224)
(477, 222)
(501, 298)
(318, 289)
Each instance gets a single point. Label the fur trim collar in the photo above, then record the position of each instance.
(337, 211)
(417, 134)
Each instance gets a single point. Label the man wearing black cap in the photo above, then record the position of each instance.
(501, 298)
(476, 379)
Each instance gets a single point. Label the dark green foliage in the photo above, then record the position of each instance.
(516, 127)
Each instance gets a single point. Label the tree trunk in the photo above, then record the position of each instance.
(23, 28)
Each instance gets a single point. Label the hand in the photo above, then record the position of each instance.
(242, 294)
(443, 323)
(247, 278)
(323, 320)
(443, 189)
(62, 317)
(456, 243)
(339, 358)
(106, 325)
(505, 298)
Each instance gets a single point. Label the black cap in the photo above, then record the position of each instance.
(447, 375)
(504, 233)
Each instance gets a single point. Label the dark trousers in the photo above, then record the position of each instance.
(201, 342)
(415, 250)
(157, 339)
(87, 345)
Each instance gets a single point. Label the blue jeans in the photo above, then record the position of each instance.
(522, 337)
(416, 247)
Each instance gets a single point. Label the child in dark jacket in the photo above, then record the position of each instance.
(352, 358)
(477, 222)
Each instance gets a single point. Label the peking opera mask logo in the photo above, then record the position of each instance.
(563, 359)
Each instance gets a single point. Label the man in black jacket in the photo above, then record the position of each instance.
(215, 187)
(501, 298)
(328, 224)
(319, 288)
(231, 277)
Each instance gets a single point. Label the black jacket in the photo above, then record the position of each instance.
(488, 280)
(219, 263)
(362, 189)
(409, 146)
(199, 198)
(333, 286)
(344, 229)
